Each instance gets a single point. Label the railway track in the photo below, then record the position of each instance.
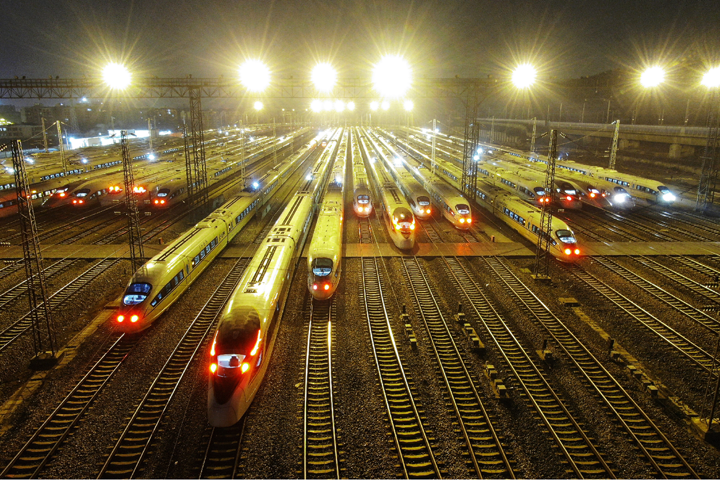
(14, 331)
(415, 453)
(320, 445)
(652, 444)
(46, 440)
(698, 316)
(432, 233)
(577, 448)
(222, 454)
(365, 230)
(706, 292)
(677, 217)
(487, 455)
(18, 290)
(699, 267)
(125, 459)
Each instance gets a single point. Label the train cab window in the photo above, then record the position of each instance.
(136, 293)
(423, 201)
(565, 236)
(322, 267)
(462, 209)
(568, 189)
(620, 190)
(82, 193)
(363, 199)
(163, 192)
(539, 191)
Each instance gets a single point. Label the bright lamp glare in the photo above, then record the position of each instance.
(385, 105)
(254, 75)
(339, 105)
(324, 77)
(392, 76)
(351, 106)
(116, 76)
(374, 105)
(711, 79)
(652, 77)
(328, 105)
(316, 106)
(258, 105)
(408, 105)
(524, 76)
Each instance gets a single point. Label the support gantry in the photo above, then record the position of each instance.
(709, 172)
(43, 330)
(134, 238)
(472, 133)
(542, 255)
(195, 163)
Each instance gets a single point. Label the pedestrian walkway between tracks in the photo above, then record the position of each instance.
(354, 250)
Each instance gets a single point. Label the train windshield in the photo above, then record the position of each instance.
(136, 293)
(565, 236)
(82, 193)
(462, 209)
(539, 191)
(424, 201)
(363, 199)
(568, 189)
(322, 267)
(163, 192)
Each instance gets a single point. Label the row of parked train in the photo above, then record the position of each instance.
(384, 176)
(596, 186)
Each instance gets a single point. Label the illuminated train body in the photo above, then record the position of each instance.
(416, 195)
(166, 276)
(245, 335)
(606, 180)
(443, 187)
(362, 194)
(398, 215)
(525, 219)
(325, 252)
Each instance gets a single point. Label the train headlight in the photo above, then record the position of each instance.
(162, 202)
(74, 201)
(62, 194)
(157, 201)
(134, 318)
(569, 198)
(81, 201)
(669, 197)
(327, 286)
(427, 211)
(120, 318)
(462, 220)
(314, 286)
(592, 195)
(469, 220)
(213, 367)
(568, 251)
(577, 251)
(620, 198)
(244, 367)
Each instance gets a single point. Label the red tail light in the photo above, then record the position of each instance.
(120, 318)
(213, 367)
(568, 251)
(244, 367)
(314, 286)
(327, 286)
(577, 251)
(156, 202)
(134, 318)
(592, 195)
(569, 198)
(162, 201)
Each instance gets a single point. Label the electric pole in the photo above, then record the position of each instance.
(61, 145)
(613, 150)
(45, 144)
(534, 135)
(542, 256)
(134, 237)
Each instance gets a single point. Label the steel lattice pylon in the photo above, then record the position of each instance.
(472, 132)
(42, 325)
(134, 237)
(542, 256)
(709, 173)
(199, 173)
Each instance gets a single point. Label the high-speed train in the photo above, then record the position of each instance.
(443, 187)
(163, 279)
(416, 195)
(398, 215)
(245, 335)
(325, 252)
(525, 219)
(362, 194)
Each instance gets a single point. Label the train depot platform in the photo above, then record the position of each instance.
(355, 250)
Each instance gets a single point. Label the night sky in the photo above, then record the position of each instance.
(440, 38)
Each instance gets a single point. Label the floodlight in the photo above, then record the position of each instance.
(328, 105)
(254, 75)
(258, 105)
(339, 106)
(385, 105)
(324, 77)
(316, 106)
(408, 105)
(116, 76)
(652, 77)
(524, 76)
(711, 79)
(392, 76)
(351, 106)
(374, 105)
